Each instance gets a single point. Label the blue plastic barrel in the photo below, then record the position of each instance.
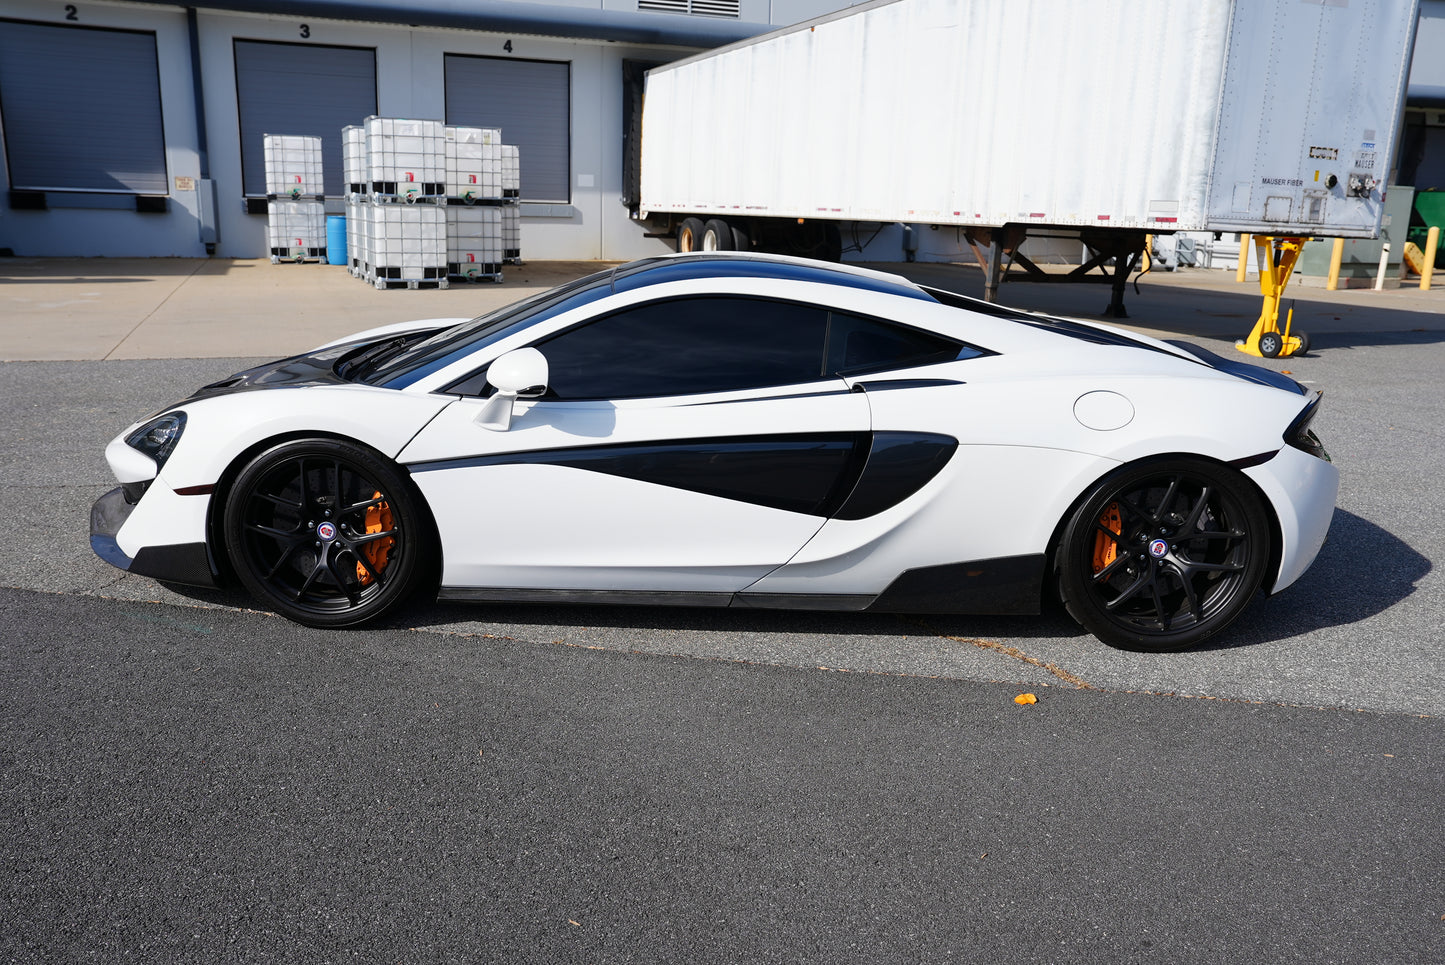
(336, 239)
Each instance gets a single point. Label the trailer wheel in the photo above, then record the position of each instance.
(819, 240)
(717, 236)
(689, 235)
(741, 241)
(1269, 344)
(832, 242)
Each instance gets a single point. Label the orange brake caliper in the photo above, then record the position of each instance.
(1106, 550)
(378, 520)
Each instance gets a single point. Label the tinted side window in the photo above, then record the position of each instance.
(864, 344)
(687, 346)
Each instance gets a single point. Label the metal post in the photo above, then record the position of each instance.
(1123, 264)
(995, 266)
(1243, 270)
(1432, 245)
(1337, 256)
(1384, 263)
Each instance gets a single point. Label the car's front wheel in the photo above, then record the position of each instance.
(1164, 553)
(325, 532)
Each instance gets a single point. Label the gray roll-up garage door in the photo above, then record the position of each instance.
(82, 109)
(531, 101)
(306, 89)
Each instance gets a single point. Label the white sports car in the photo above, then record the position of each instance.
(735, 430)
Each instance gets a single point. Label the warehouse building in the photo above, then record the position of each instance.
(1422, 144)
(135, 128)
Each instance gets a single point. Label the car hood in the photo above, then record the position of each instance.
(314, 368)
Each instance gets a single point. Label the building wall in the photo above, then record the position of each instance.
(1422, 161)
(85, 225)
(1427, 67)
(410, 83)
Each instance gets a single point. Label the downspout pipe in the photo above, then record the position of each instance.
(198, 93)
(210, 233)
(508, 16)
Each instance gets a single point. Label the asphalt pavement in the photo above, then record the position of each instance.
(213, 785)
(184, 779)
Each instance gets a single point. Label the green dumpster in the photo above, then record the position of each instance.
(1429, 213)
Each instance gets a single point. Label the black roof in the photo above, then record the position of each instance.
(654, 271)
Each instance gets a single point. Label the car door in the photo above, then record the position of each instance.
(684, 446)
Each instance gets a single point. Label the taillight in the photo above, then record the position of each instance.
(1301, 436)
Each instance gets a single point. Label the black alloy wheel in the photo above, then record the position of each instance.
(326, 533)
(1164, 553)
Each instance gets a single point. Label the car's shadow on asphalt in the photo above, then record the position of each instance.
(1361, 571)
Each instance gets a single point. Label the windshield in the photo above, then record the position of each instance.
(455, 343)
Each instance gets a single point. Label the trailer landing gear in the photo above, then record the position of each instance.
(1266, 340)
(1113, 256)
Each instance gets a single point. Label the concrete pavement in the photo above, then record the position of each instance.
(55, 309)
(144, 308)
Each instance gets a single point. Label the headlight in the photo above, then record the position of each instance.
(158, 437)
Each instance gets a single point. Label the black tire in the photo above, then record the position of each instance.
(1270, 344)
(1304, 343)
(832, 242)
(689, 235)
(326, 533)
(717, 236)
(1188, 554)
(741, 241)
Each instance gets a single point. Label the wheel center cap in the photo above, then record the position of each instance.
(326, 531)
(1158, 549)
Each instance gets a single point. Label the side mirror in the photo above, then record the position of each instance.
(521, 374)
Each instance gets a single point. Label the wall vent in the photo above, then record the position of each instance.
(697, 8)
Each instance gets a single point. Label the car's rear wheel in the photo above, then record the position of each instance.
(1164, 553)
(325, 532)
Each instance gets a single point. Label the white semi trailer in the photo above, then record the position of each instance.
(1103, 119)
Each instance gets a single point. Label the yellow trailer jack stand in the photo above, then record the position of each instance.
(1275, 267)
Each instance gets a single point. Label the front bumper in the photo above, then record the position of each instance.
(188, 563)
